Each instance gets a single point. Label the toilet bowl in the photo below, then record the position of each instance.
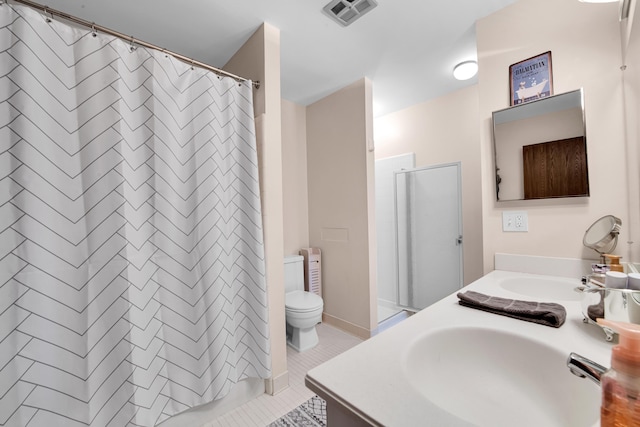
(303, 310)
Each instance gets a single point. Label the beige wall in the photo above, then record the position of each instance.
(456, 127)
(439, 131)
(585, 43)
(340, 177)
(259, 59)
(294, 177)
(632, 152)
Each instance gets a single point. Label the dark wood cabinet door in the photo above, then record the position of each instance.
(555, 169)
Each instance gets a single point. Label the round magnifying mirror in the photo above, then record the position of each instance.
(602, 236)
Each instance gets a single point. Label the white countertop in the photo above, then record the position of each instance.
(370, 378)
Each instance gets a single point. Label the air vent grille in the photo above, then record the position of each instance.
(346, 12)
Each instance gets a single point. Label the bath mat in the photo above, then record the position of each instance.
(312, 413)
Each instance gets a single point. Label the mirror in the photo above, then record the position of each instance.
(541, 149)
(602, 236)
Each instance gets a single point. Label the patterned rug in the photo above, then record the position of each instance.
(312, 413)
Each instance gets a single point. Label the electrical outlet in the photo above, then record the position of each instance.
(515, 221)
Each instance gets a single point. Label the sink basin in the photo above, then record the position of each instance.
(490, 377)
(551, 289)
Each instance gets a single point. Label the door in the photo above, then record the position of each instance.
(429, 234)
(555, 169)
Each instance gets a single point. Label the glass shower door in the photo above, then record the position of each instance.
(429, 234)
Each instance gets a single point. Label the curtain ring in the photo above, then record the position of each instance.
(94, 33)
(131, 46)
(192, 61)
(46, 18)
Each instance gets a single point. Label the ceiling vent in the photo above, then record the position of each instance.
(346, 12)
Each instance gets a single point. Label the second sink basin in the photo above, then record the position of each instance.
(490, 377)
(538, 287)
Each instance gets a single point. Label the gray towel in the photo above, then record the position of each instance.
(596, 311)
(544, 313)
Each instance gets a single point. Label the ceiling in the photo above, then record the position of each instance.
(407, 48)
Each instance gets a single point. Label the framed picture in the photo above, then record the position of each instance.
(531, 79)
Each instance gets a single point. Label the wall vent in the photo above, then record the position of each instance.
(346, 12)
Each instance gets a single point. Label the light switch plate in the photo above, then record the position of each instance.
(515, 221)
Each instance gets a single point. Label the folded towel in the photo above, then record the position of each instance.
(544, 313)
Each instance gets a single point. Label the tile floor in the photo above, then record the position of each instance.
(265, 409)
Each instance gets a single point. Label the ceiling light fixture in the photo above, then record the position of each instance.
(624, 9)
(465, 70)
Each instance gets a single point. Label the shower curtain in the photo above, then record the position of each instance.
(132, 277)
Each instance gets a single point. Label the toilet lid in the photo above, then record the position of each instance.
(302, 301)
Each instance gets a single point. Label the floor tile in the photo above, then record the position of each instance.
(265, 409)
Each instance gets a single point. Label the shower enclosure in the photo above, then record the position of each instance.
(386, 232)
(428, 220)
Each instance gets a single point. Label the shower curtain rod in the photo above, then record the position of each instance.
(95, 27)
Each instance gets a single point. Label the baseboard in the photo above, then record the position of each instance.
(346, 326)
(275, 385)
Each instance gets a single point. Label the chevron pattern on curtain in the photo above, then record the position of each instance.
(132, 277)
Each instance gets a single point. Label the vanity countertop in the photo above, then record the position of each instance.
(371, 379)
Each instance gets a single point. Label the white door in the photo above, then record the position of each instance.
(429, 234)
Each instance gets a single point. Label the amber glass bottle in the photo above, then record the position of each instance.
(621, 384)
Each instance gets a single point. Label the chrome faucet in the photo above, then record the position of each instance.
(585, 368)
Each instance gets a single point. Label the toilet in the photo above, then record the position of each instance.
(303, 310)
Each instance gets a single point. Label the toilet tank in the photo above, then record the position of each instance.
(293, 273)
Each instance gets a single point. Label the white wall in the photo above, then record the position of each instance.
(584, 40)
(443, 130)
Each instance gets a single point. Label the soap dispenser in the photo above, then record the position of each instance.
(621, 384)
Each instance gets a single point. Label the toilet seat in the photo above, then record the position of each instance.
(302, 302)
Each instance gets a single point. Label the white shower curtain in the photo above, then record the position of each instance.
(132, 277)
